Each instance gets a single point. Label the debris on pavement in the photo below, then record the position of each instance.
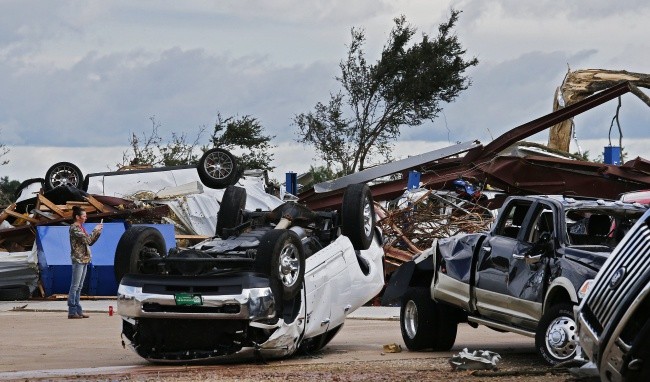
(392, 348)
(476, 360)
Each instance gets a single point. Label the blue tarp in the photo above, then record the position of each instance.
(53, 243)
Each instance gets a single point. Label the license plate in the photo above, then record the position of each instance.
(188, 299)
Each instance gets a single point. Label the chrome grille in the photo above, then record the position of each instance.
(633, 254)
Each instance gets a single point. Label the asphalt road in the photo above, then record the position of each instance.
(46, 344)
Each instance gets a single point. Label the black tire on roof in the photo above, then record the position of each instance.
(218, 168)
(63, 173)
(136, 244)
(230, 211)
(358, 216)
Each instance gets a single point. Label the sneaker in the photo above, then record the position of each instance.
(84, 315)
(74, 316)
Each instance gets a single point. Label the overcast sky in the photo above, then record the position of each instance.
(76, 77)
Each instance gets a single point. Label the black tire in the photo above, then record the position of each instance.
(218, 168)
(417, 319)
(26, 183)
(61, 174)
(281, 256)
(426, 324)
(556, 338)
(230, 211)
(358, 216)
(312, 345)
(136, 244)
(14, 293)
(446, 327)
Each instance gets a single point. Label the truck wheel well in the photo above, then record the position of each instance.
(421, 279)
(557, 295)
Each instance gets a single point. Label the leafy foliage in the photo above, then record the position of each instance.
(403, 88)
(243, 135)
(7, 190)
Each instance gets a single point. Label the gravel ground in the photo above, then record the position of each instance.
(422, 369)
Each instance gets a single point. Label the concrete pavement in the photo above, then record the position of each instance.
(103, 306)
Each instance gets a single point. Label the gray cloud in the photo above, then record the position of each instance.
(77, 73)
(115, 94)
(575, 10)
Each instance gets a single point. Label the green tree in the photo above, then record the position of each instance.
(321, 174)
(403, 88)
(150, 149)
(179, 151)
(142, 148)
(244, 134)
(7, 190)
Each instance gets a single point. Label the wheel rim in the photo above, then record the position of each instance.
(64, 175)
(218, 165)
(411, 319)
(367, 218)
(289, 266)
(561, 338)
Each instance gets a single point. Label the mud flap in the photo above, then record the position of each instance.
(398, 283)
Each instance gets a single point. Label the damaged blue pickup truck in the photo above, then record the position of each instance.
(524, 276)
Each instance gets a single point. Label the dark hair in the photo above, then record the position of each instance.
(77, 211)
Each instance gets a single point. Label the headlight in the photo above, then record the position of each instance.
(585, 288)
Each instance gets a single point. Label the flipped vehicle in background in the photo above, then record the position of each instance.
(216, 169)
(614, 317)
(524, 276)
(270, 283)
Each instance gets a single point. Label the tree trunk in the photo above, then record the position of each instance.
(580, 84)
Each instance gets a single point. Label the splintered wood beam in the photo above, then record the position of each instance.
(4, 215)
(53, 207)
(97, 204)
(21, 216)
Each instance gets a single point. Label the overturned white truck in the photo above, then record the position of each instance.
(268, 284)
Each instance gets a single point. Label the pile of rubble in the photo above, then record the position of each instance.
(413, 222)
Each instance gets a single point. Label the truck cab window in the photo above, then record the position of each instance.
(511, 225)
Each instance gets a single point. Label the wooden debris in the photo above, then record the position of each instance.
(53, 207)
(4, 215)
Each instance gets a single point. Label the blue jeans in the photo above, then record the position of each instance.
(78, 277)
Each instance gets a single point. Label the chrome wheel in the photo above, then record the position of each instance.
(561, 338)
(64, 175)
(218, 165)
(289, 265)
(367, 217)
(411, 319)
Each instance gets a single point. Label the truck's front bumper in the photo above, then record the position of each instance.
(235, 297)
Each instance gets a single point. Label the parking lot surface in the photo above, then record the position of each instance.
(39, 342)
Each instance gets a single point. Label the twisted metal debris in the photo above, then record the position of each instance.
(412, 224)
